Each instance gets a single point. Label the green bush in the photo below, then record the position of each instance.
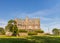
(39, 31)
(47, 34)
(2, 31)
(32, 33)
(22, 30)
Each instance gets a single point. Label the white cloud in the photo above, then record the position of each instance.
(50, 25)
(3, 23)
(48, 17)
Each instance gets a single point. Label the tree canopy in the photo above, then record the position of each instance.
(56, 31)
(12, 27)
(2, 31)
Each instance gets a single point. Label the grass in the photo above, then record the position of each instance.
(30, 39)
(45, 39)
(3, 36)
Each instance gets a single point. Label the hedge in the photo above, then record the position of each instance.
(22, 30)
(39, 31)
(32, 33)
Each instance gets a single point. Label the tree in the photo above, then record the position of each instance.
(12, 22)
(2, 32)
(12, 27)
(9, 27)
(55, 31)
(15, 30)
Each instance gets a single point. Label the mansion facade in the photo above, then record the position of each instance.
(28, 23)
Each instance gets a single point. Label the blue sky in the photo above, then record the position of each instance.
(47, 10)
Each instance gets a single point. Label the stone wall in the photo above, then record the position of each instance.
(8, 33)
(40, 34)
(28, 23)
(23, 34)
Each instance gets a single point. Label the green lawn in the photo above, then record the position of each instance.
(30, 39)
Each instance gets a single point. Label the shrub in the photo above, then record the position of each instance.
(22, 30)
(39, 31)
(2, 31)
(47, 34)
(32, 33)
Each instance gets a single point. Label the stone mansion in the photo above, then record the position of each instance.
(28, 23)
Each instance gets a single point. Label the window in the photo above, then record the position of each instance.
(36, 27)
(30, 27)
(19, 25)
